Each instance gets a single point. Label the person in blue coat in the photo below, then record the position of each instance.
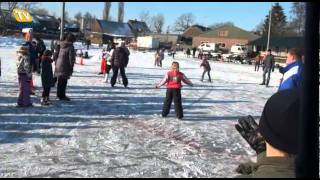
(292, 73)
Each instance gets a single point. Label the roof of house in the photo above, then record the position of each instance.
(233, 33)
(116, 29)
(194, 30)
(283, 41)
(138, 26)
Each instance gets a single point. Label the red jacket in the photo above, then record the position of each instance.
(173, 80)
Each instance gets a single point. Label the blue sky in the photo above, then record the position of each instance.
(245, 15)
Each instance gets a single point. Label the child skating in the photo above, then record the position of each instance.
(173, 82)
(46, 77)
(206, 67)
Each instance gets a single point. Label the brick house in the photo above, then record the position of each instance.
(191, 32)
(227, 34)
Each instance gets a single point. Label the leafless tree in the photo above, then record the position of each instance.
(78, 17)
(41, 11)
(184, 22)
(106, 11)
(5, 16)
(29, 6)
(121, 12)
(144, 16)
(157, 23)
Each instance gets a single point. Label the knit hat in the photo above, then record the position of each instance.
(23, 49)
(279, 120)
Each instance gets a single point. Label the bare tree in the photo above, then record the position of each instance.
(157, 23)
(106, 11)
(29, 6)
(299, 15)
(41, 11)
(184, 22)
(78, 17)
(121, 12)
(144, 16)
(5, 16)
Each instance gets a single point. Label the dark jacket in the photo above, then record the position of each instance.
(206, 65)
(46, 71)
(32, 52)
(268, 167)
(65, 61)
(120, 57)
(41, 47)
(269, 62)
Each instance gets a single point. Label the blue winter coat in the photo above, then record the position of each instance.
(292, 75)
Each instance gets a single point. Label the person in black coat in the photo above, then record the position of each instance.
(194, 49)
(41, 47)
(66, 58)
(119, 60)
(46, 76)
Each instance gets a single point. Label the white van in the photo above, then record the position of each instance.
(239, 49)
(208, 47)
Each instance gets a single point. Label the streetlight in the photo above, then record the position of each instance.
(62, 22)
(269, 28)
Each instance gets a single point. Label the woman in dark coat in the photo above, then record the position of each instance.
(46, 76)
(64, 65)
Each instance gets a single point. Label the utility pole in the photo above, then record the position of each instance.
(269, 28)
(62, 22)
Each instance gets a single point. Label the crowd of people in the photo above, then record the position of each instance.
(274, 139)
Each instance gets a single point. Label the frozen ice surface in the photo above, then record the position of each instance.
(118, 132)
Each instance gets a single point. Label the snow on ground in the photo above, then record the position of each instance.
(118, 132)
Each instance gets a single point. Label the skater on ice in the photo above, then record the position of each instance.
(64, 65)
(173, 80)
(119, 61)
(24, 71)
(206, 67)
(46, 76)
(268, 66)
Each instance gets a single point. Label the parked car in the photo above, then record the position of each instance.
(208, 47)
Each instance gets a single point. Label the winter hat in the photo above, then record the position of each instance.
(23, 49)
(279, 120)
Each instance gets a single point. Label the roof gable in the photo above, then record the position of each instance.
(138, 26)
(229, 31)
(115, 28)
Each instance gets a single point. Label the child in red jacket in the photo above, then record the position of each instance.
(173, 82)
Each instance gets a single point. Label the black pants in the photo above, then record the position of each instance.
(115, 75)
(204, 72)
(174, 94)
(256, 66)
(46, 91)
(266, 71)
(61, 88)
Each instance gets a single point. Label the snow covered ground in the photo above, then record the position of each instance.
(118, 132)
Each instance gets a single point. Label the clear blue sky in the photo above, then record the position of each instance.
(245, 15)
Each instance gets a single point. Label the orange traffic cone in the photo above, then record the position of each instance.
(81, 61)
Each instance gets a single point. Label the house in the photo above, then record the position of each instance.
(167, 40)
(279, 45)
(45, 23)
(139, 28)
(191, 32)
(104, 31)
(227, 34)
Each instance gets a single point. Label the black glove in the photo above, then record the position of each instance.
(248, 129)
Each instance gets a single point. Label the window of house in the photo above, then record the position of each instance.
(223, 33)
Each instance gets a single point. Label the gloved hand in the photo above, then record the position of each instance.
(248, 129)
